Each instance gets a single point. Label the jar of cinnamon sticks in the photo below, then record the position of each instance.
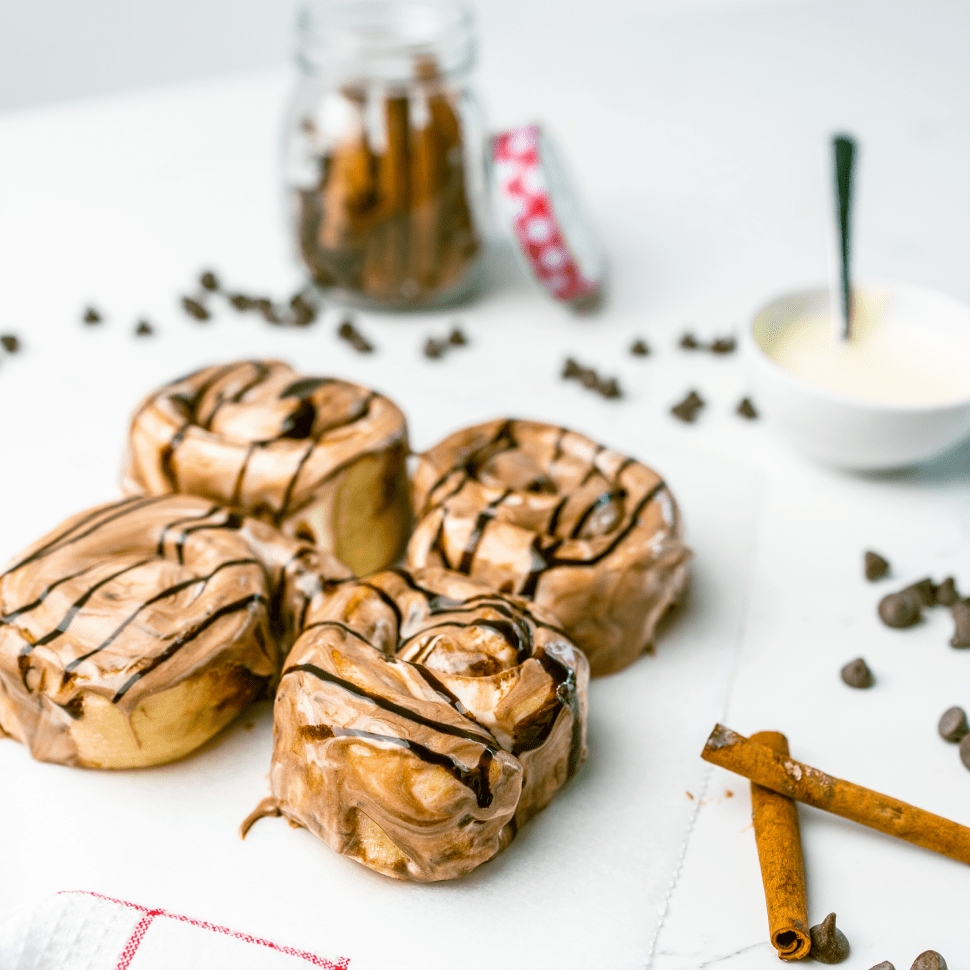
(383, 152)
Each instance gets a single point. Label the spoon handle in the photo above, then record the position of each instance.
(844, 151)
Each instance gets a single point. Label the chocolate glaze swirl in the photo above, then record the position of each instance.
(552, 516)
(135, 630)
(422, 718)
(316, 457)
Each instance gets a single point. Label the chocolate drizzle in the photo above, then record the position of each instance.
(246, 603)
(389, 706)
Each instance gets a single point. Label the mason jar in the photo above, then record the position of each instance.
(383, 152)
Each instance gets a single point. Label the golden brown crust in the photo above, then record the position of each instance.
(421, 719)
(281, 447)
(552, 516)
(135, 630)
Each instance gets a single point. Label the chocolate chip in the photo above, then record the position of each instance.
(876, 567)
(91, 316)
(946, 592)
(953, 725)
(347, 331)
(144, 329)
(570, 369)
(610, 388)
(241, 302)
(209, 281)
(11, 344)
(857, 674)
(885, 965)
(639, 348)
(900, 610)
(927, 960)
(724, 345)
(960, 611)
(924, 591)
(589, 378)
(829, 944)
(264, 307)
(434, 348)
(302, 311)
(746, 409)
(457, 337)
(689, 342)
(965, 751)
(194, 309)
(688, 409)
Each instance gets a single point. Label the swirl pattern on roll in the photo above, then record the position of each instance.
(422, 718)
(550, 515)
(135, 630)
(319, 458)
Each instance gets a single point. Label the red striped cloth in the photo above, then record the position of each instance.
(87, 931)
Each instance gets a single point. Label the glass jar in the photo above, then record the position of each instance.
(383, 152)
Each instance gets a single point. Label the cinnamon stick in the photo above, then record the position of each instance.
(809, 785)
(779, 842)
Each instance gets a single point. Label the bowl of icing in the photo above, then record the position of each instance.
(896, 393)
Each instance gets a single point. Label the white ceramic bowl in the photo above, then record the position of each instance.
(846, 430)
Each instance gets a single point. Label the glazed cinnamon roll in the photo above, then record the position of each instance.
(318, 458)
(421, 718)
(552, 516)
(136, 630)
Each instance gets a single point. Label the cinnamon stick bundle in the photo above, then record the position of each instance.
(786, 776)
(393, 224)
(777, 834)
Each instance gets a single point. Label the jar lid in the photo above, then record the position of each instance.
(540, 209)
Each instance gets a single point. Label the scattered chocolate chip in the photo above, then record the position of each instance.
(457, 337)
(302, 311)
(347, 331)
(610, 389)
(961, 620)
(589, 378)
(194, 309)
(11, 344)
(885, 965)
(307, 126)
(689, 342)
(264, 307)
(876, 567)
(144, 329)
(724, 345)
(829, 944)
(91, 316)
(688, 409)
(434, 348)
(928, 960)
(965, 751)
(209, 281)
(746, 409)
(946, 592)
(241, 302)
(953, 725)
(924, 591)
(900, 610)
(570, 369)
(857, 674)
(639, 348)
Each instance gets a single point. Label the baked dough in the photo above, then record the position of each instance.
(320, 459)
(548, 514)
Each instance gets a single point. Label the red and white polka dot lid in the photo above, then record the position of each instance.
(539, 207)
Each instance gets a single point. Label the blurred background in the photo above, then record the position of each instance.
(52, 50)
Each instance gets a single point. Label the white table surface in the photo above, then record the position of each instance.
(698, 138)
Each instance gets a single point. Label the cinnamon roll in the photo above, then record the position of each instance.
(421, 719)
(136, 630)
(318, 458)
(550, 515)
